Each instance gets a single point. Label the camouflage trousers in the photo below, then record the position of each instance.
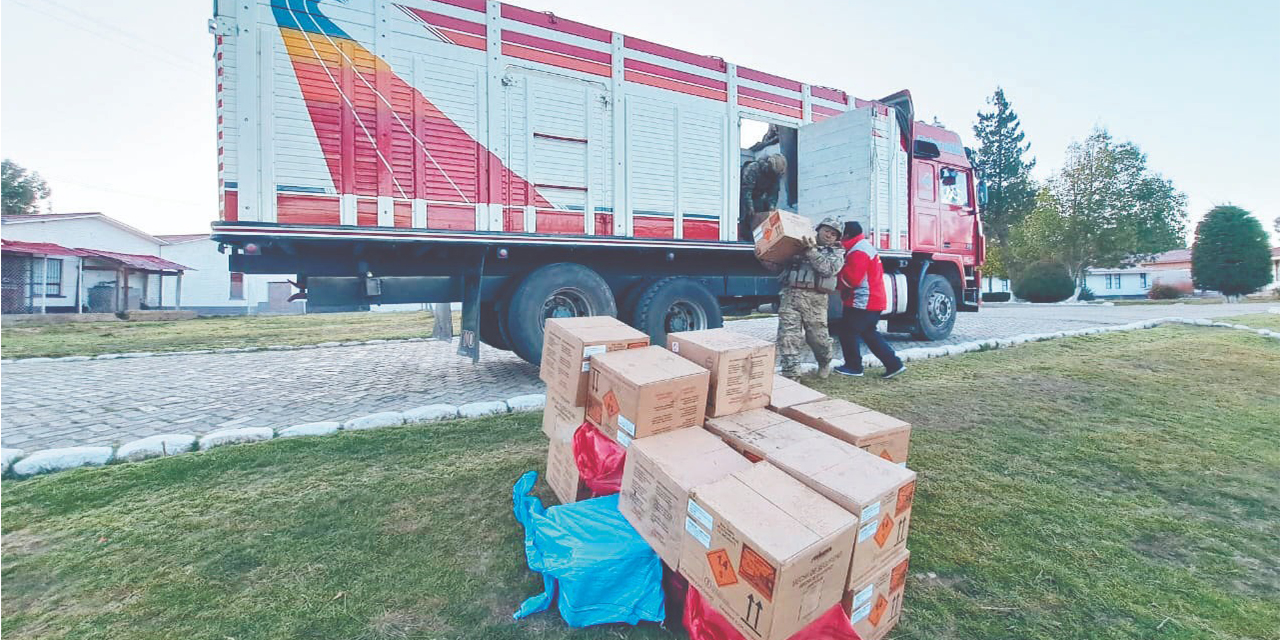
(802, 318)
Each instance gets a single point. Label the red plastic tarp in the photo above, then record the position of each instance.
(703, 622)
(599, 460)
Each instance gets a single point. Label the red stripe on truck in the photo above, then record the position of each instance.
(551, 21)
(771, 97)
(658, 70)
(706, 62)
(834, 95)
(672, 85)
(516, 37)
(770, 107)
(448, 22)
(768, 78)
(556, 60)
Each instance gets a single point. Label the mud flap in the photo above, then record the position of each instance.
(469, 340)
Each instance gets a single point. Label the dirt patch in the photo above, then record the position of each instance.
(24, 542)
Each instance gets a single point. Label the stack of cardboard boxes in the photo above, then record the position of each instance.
(774, 502)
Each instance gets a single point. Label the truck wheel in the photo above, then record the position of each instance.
(676, 304)
(491, 332)
(561, 290)
(936, 311)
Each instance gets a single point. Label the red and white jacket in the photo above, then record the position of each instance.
(861, 281)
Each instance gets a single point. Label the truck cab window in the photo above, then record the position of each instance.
(924, 182)
(955, 187)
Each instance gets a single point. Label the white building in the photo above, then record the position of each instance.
(1171, 268)
(56, 263)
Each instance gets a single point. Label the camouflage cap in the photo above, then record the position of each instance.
(829, 222)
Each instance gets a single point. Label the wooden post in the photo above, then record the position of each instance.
(80, 301)
(177, 302)
(160, 293)
(146, 287)
(44, 284)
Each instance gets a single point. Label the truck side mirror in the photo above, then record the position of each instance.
(982, 193)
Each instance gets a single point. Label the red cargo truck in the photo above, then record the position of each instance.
(533, 167)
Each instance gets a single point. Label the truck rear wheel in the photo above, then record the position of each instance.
(936, 309)
(676, 304)
(561, 290)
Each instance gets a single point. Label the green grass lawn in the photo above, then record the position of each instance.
(1256, 320)
(93, 338)
(1111, 486)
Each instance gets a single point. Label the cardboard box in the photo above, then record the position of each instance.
(741, 367)
(871, 431)
(561, 413)
(759, 432)
(787, 392)
(874, 601)
(769, 553)
(781, 236)
(876, 491)
(569, 343)
(656, 480)
(643, 392)
(562, 469)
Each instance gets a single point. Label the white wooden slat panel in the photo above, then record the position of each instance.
(702, 161)
(651, 156)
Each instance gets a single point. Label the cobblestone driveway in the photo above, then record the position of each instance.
(56, 404)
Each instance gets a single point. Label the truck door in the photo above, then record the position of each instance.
(558, 138)
(956, 210)
(925, 227)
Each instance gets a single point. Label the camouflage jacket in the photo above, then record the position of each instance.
(816, 268)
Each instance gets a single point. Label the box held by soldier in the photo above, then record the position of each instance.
(636, 393)
(768, 552)
(871, 431)
(782, 235)
(787, 392)
(656, 480)
(741, 367)
(569, 343)
(874, 602)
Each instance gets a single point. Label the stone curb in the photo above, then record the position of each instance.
(51, 460)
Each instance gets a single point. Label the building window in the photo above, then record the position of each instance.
(237, 286)
(1004, 284)
(52, 279)
(1108, 281)
(1142, 277)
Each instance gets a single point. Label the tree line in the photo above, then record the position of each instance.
(1105, 208)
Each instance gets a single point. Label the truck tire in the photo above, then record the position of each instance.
(491, 332)
(936, 309)
(561, 290)
(676, 304)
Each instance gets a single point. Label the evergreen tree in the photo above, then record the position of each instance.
(1231, 253)
(1011, 193)
(22, 190)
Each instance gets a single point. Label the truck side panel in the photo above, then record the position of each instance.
(481, 116)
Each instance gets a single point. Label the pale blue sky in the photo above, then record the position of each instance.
(113, 102)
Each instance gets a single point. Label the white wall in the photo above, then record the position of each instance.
(1128, 282)
(208, 284)
(88, 233)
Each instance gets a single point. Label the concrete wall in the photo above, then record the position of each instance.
(208, 285)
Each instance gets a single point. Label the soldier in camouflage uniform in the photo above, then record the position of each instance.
(807, 281)
(761, 181)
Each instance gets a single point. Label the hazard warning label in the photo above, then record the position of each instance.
(877, 610)
(905, 495)
(611, 408)
(757, 572)
(886, 525)
(722, 568)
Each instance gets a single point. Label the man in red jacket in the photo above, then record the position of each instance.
(861, 283)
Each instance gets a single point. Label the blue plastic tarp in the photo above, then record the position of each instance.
(594, 565)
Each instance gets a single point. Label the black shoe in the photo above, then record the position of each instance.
(894, 372)
(844, 370)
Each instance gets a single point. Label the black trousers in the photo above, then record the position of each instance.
(859, 325)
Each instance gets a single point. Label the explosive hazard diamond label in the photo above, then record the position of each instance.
(882, 534)
(877, 610)
(611, 408)
(722, 568)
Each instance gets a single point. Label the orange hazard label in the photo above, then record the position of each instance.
(757, 572)
(593, 411)
(882, 533)
(722, 568)
(611, 404)
(638, 344)
(885, 454)
(905, 495)
(898, 578)
(768, 234)
(877, 610)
